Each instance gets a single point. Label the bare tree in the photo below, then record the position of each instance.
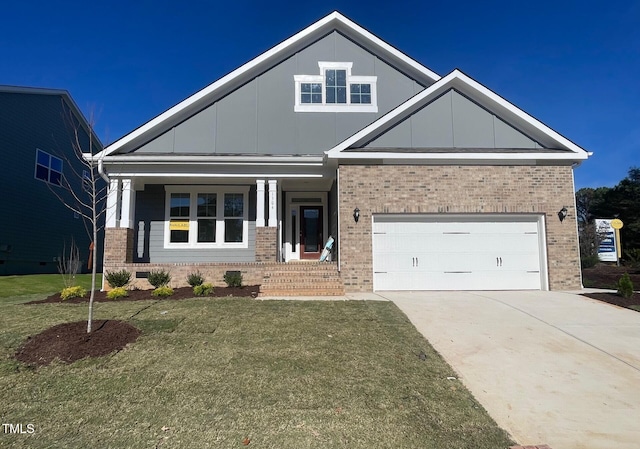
(83, 189)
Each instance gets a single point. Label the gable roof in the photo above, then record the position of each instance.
(66, 97)
(205, 97)
(556, 146)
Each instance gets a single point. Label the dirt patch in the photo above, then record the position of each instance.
(249, 291)
(69, 342)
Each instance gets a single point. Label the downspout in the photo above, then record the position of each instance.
(338, 201)
(102, 173)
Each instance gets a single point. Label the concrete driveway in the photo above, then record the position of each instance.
(551, 368)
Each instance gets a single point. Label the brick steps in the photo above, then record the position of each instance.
(302, 279)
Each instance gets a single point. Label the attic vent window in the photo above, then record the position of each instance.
(335, 89)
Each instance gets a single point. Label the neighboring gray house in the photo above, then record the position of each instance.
(424, 182)
(36, 136)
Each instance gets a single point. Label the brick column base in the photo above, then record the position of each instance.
(118, 246)
(266, 244)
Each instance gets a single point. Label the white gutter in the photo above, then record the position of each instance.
(216, 159)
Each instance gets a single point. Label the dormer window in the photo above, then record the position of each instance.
(335, 90)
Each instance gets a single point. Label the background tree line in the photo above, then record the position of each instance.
(621, 201)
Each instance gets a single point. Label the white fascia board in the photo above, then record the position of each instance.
(335, 18)
(476, 91)
(467, 156)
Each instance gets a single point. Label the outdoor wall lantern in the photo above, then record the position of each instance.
(356, 214)
(562, 214)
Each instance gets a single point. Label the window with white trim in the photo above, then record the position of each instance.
(206, 217)
(48, 168)
(335, 89)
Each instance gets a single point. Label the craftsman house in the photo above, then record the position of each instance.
(423, 182)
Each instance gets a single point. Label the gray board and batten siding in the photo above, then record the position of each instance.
(148, 243)
(259, 118)
(35, 226)
(453, 121)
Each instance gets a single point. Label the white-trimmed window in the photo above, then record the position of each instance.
(335, 90)
(206, 217)
(48, 168)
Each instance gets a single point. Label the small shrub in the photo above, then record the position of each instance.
(233, 278)
(73, 292)
(159, 278)
(118, 278)
(195, 279)
(203, 289)
(589, 261)
(117, 292)
(163, 291)
(625, 286)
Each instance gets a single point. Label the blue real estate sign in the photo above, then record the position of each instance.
(607, 248)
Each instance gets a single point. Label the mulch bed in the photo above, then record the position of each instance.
(249, 291)
(614, 298)
(69, 342)
(606, 276)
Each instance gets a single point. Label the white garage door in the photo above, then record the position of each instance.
(433, 252)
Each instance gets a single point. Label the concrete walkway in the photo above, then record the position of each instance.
(551, 368)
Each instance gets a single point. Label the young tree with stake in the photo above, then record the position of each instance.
(83, 189)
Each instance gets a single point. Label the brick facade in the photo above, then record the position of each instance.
(118, 246)
(456, 189)
(266, 244)
(252, 273)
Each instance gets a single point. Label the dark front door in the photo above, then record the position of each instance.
(311, 242)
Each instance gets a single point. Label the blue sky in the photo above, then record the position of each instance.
(574, 65)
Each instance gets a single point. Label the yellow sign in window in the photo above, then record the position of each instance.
(179, 225)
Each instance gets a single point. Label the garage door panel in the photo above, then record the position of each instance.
(428, 254)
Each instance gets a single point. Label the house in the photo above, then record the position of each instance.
(424, 182)
(37, 132)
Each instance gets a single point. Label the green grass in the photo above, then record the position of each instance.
(285, 374)
(40, 284)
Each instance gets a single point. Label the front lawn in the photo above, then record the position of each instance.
(223, 372)
(40, 283)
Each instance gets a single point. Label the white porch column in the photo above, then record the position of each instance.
(111, 218)
(260, 203)
(273, 203)
(128, 204)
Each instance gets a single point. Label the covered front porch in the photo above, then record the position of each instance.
(234, 220)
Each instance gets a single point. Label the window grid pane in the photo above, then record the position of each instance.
(48, 168)
(310, 93)
(360, 93)
(233, 213)
(336, 85)
(233, 205)
(179, 205)
(207, 204)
